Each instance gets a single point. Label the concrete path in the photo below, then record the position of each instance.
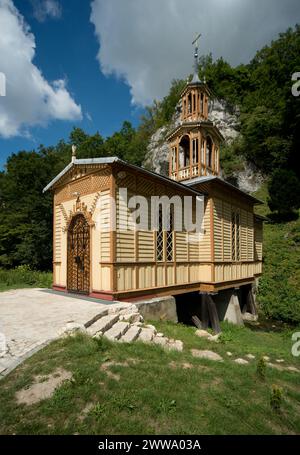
(30, 318)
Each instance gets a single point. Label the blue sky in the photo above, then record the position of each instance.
(67, 48)
(96, 63)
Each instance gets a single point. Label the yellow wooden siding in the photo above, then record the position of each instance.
(258, 235)
(58, 225)
(250, 236)
(181, 246)
(222, 232)
(104, 225)
(205, 242)
(226, 232)
(244, 235)
(145, 246)
(218, 229)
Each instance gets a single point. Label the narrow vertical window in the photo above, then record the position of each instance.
(160, 237)
(235, 236)
(170, 236)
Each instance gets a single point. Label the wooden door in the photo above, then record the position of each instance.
(78, 264)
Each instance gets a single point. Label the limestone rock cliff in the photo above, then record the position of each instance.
(227, 120)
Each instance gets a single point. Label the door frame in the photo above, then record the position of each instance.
(88, 222)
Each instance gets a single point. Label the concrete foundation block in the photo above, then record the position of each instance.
(160, 308)
(233, 312)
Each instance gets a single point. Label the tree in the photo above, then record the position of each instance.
(284, 190)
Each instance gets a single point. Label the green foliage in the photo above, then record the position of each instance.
(276, 398)
(284, 190)
(26, 213)
(261, 369)
(159, 391)
(279, 291)
(23, 276)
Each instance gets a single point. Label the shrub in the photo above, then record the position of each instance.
(276, 398)
(261, 369)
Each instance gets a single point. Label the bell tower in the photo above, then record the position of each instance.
(195, 143)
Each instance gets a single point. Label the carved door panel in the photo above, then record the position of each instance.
(78, 279)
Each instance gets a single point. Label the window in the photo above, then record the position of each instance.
(170, 236)
(209, 147)
(235, 236)
(165, 239)
(201, 104)
(216, 159)
(195, 151)
(173, 158)
(160, 237)
(189, 103)
(184, 149)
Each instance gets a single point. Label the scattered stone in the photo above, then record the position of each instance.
(229, 354)
(250, 356)
(214, 338)
(176, 345)
(277, 367)
(43, 388)
(266, 358)
(210, 355)
(250, 317)
(159, 334)
(160, 340)
(202, 333)
(116, 331)
(146, 335)
(72, 328)
(279, 360)
(103, 324)
(293, 369)
(241, 361)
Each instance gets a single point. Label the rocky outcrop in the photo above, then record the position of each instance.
(157, 156)
(227, 120)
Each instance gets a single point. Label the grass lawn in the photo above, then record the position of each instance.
(23, 277)
(141, 389)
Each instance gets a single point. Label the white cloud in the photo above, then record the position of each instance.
(30, 99)
(148, 42)
(43, 9)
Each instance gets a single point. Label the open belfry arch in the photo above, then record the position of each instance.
(93, 253)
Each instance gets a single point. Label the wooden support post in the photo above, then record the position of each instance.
(250, 304)
(204, 312)
(213, 314)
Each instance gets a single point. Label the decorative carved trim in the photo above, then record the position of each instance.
(79, 208)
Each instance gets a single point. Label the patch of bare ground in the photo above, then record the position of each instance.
(43, 387)
(110, 363)
(187, 366)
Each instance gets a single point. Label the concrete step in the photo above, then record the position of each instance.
(131, 334)
(103, 312)
(117, 330)
(103, 324)
(146, 335)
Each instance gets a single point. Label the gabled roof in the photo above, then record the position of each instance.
(208, 124)
(116, 160)
(211, 178)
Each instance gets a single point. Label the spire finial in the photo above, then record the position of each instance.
(74, 148)
(196, 43)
